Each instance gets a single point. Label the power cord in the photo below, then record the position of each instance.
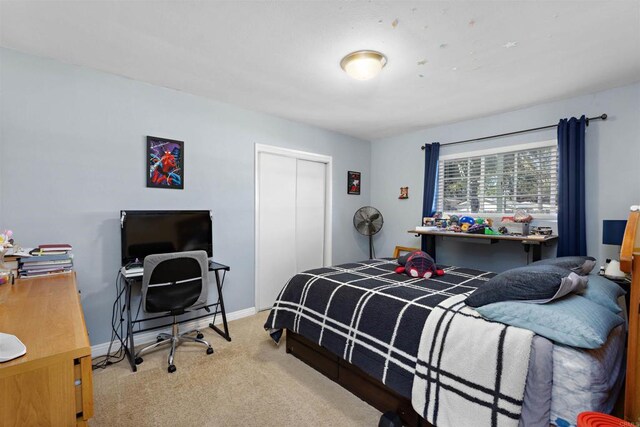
(135, 319)
(117, 330)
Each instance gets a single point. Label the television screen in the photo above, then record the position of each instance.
(153, 232)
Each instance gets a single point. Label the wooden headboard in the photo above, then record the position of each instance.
(630, 263)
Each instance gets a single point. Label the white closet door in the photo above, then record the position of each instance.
(277, 226)
(310, 214)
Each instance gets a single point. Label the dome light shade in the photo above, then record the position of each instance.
(363, 64)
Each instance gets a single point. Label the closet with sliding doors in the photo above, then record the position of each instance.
(292, 217)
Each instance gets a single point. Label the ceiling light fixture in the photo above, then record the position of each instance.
(363, 64)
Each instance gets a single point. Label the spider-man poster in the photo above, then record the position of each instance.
(353, 182)
(165, 163)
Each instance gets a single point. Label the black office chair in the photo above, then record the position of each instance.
(173, 283)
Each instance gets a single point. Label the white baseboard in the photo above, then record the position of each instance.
(150, 336)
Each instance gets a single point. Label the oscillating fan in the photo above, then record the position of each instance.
(368, 221)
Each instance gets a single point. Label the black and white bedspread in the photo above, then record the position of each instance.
(367, 314)
(470, 371)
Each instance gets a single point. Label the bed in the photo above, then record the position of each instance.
(360, 325)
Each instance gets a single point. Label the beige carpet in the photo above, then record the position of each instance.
(246, 382)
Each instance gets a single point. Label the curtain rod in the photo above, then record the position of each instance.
(601, 117)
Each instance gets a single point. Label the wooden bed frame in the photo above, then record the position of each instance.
(353, 379)
(384, 399)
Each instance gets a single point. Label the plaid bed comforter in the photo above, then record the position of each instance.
(367, 314)
(484, 387)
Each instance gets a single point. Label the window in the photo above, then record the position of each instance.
(500, 181)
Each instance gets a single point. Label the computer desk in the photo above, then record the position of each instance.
(535, 241)
(132, 280)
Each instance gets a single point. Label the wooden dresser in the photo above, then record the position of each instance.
(630, 263)
(52, 384)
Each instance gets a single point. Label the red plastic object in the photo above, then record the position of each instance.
(596, 419)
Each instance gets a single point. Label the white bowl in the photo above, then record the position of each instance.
(10, 347)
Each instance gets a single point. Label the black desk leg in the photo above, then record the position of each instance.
(225, 333)
(130, 347)
(431, 245)
(537, 253)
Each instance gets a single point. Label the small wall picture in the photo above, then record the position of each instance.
(404, 193)
(353, 182)
(165, 163)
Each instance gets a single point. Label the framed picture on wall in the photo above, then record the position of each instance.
(165, 163)
(353, 182)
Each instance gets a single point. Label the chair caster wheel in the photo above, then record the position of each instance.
(171, 369)
(200, 335)
(138, 360)
(209, 350)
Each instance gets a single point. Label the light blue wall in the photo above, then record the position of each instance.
(72, 148)
(73, 155)
(612, 174)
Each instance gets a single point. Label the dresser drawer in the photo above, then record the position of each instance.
(83, 388)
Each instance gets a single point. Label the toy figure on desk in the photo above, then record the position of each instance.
(6, 239)
(6, 242)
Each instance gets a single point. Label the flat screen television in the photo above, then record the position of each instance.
(153, 232)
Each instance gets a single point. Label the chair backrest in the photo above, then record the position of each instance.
(175, 281)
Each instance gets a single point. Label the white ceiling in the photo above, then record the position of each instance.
(447, 61)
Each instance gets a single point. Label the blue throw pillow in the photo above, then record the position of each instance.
(581, 265)
(534, 283)
(574, 320)
(604, 292)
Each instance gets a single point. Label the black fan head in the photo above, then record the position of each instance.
(368, 220)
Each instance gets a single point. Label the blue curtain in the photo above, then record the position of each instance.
(572, 236)
(431, 155)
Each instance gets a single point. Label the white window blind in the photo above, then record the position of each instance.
(500, 182)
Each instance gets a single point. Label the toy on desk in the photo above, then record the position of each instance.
(476, 229)
(6, 239)
(464, 227)
(522, 216)
(6, 242)
(418, 264)
(454, 220)
(441, 223)
(542, 231)
(466, 220)
(428, 221)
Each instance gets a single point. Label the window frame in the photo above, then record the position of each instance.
(490, 152)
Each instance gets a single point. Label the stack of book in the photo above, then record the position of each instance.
(47, 259)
